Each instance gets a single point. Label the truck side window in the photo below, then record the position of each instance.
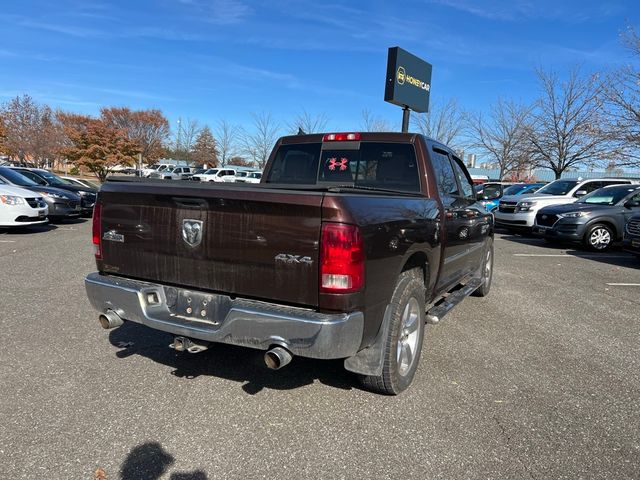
(445, 177)
(465, 183)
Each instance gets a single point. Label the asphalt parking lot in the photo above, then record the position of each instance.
(539, 380)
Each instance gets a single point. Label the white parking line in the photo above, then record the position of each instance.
(7, 241)
(624, 284)
(567, 255)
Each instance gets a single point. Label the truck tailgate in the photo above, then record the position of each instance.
(241, 241)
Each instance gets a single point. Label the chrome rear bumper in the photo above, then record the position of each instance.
(219, 318)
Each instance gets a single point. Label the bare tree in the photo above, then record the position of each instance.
(185, 138)
(566, 130)
(31, 130)
(621, 92)
(444, 122)
(502, 137)
(304, 122)
(3, 136)
(373, 123)
(258, 142)
(227, 136)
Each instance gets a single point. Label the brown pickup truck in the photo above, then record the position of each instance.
(347, 247)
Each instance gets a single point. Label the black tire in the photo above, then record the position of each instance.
(598, 238)
(487, 270)
(408, 310)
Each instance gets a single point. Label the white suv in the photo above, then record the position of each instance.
(520, 211)
(216, 175)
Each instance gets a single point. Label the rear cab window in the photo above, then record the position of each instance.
(384, 165)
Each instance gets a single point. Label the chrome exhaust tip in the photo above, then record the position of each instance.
(277, 357)
(110, 319)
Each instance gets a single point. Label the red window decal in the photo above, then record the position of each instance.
(341, 164)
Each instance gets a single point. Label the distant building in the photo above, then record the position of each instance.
(471, 160)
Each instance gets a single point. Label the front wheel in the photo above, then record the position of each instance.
(599, 237)
(403, 344)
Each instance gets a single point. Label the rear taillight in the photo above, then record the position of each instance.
(97, 230)
(341, 259)
(341, 137)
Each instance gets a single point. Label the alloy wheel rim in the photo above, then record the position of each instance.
(600, 238)
(408, 338)
(487, 266)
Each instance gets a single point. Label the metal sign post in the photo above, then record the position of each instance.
(406, 113)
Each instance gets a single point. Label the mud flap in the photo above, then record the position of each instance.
(368, 361)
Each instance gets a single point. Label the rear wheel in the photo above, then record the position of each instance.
(487, 270)
(599, 237)
(404, 338)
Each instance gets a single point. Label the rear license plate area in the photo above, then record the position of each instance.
(197, 306)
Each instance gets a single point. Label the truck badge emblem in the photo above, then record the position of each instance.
(288, 259)
(113, 236)
(192, 232)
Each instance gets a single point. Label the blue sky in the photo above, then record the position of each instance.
(213, 59)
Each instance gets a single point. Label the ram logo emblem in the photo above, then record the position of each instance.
(192, 232)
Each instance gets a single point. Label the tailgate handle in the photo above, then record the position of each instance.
(190, 202)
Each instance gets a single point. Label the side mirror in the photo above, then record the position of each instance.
(40, 181)
(632, 204)
(580, 193)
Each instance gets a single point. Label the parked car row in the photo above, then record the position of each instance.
(217, 174)
(593, 212)
(48, 196)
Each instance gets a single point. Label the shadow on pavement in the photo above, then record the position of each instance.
(26, 230)
(71, 221)
(614, 256)
(243, 365)
(150, 461)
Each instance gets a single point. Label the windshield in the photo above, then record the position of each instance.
(91, 184)
(211, 171)
(17, 179)
(51, 178)
(558, 187)
(492, 191)
(607, 196)
(374, 165)
(514, 189)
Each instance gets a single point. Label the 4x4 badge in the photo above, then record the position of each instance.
(192, 232)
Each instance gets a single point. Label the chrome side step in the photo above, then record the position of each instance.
(435, 314)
